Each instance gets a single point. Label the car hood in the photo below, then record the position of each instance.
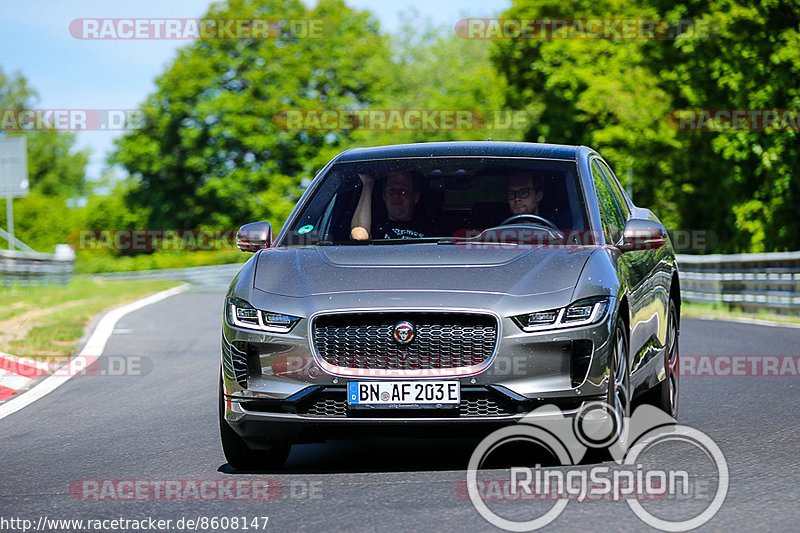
(513, 270)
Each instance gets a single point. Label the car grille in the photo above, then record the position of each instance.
(325, 406)
(441, 340)
(481, 403)
(483, 406)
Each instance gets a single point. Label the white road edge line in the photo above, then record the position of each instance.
(94, 347)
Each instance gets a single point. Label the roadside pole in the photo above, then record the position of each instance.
(9, 204)
(13, 178)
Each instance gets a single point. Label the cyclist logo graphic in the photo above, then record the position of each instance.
(628, 442)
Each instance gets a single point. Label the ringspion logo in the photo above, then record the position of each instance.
(632, 443)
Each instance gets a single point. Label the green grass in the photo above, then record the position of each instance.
(702, 310)
(95, 262)
(45, 322)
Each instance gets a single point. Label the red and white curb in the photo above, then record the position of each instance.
(16, 373)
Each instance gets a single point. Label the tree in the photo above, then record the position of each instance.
(596, 92)
(55, 168)
(56, 172)
(619, 96)
(212, 150)
(742, 184)
(434, 69)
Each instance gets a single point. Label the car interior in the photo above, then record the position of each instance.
(452, 200)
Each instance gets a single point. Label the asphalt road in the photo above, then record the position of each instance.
(163, 426)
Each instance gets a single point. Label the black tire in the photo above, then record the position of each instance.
(619, 387)
(239, 455)
(617, 404)
(665, 394)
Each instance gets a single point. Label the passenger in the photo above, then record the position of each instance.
(401, 195)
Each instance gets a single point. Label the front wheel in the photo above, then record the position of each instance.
(666, 392)
(605, 428)
(619, 380)
(239, 455)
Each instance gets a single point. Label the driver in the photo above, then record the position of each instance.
(401, 195)
(524, 192)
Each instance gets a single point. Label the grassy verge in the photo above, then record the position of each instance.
(95, 262)
(721, 311)
(48, 322)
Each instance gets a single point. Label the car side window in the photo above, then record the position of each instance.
(610, 213)
(325, 221)
(616, 188)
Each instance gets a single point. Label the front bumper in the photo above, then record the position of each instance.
(275, 390)
(323, 414)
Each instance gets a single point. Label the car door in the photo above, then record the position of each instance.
(632, 267)
(656, 267)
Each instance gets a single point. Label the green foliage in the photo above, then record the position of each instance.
(616, 96)
(595, 92)
(54, 167)
(211, 151)
(743, 184)
(55, 172)
(214, 151)
(434, 69)
(42, 221)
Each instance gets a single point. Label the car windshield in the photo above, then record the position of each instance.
(401, 201)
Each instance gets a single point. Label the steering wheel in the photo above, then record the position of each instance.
(536, 219)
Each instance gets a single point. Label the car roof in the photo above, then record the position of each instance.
(461, 149)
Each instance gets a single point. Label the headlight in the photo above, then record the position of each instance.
(580, 313)
(242, 314)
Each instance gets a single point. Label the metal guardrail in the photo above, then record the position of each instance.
(754, 282)
(216, 277)
(34, 268)
(769, 281)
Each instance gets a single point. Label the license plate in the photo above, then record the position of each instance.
(403, 392)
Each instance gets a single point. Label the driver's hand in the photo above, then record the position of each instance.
(359, 234)
(366, 179)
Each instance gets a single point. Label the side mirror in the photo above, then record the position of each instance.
(642, 234)
(254, 237)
